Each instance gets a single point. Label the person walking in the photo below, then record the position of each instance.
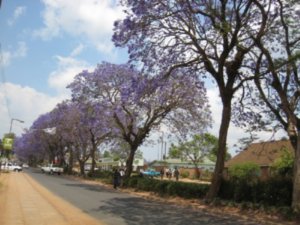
(162, 172)
(168, 173)
(176, 174)
(116, 178)
(122, 174)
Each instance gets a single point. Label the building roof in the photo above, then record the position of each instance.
(263, 153)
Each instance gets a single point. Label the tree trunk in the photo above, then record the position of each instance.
(129, 162)
(197, 172)
(296, 181)
(294, 136)
(70, 163)
(51, 158)
(93, 151)
(81, 165)
(218, 172)
(61, 157)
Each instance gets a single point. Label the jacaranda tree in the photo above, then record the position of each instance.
(70, 131)
(41, 142)
(135, 103)
(75, 136)
(213, 38)
(29, 148)
(82, 130)
(276, 92)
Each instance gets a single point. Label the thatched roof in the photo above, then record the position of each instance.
(263, 154)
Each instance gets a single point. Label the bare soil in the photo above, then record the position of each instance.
(24, 201)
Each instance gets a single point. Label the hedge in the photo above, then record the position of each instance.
(272, 192)
(167, 188)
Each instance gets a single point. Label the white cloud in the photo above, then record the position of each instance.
(35, 103)
(20, 52)
(19, 11)
(31, 105)
(77, 50)
(90, 19)
(68, 68)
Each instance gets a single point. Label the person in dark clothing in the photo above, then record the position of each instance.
(117, 177)
(176, 174)
(162, 172)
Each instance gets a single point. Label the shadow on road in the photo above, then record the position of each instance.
(91, 187)
(136, 211)
(114, 207)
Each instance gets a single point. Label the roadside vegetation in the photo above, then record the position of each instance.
(258, 196)
(243, 189)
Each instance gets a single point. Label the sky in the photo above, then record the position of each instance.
(45, 43)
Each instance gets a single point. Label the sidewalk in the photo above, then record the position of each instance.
(25, 202)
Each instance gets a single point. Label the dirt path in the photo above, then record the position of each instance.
(24, 201)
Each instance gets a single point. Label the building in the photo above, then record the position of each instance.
(263, 154)
(183, 165)
(110, 163)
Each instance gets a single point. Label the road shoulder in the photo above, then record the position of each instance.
(24, 201)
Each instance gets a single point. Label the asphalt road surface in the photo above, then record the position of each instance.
(113, 207)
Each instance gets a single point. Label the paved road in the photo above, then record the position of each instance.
(117, 208)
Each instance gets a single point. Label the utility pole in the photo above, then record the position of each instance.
(162, 146)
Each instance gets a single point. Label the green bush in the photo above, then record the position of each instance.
(188, 190)
(161, 188)
(146, 184)
(245, 171)
(272, 192)
(284, 165)
(276, 191)
(102, 174)
(185, 174)
(236, 191)
(131, 182)
(168, 188)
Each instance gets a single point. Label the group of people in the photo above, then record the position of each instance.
(170, 173)
(119, 174)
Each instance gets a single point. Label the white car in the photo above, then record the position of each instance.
(25, 166)
(51, 169)
(11, 167)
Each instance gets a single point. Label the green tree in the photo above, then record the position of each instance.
(284, 165)
(195, 150)
(174, 151)
(106, 154)
(247, 171)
